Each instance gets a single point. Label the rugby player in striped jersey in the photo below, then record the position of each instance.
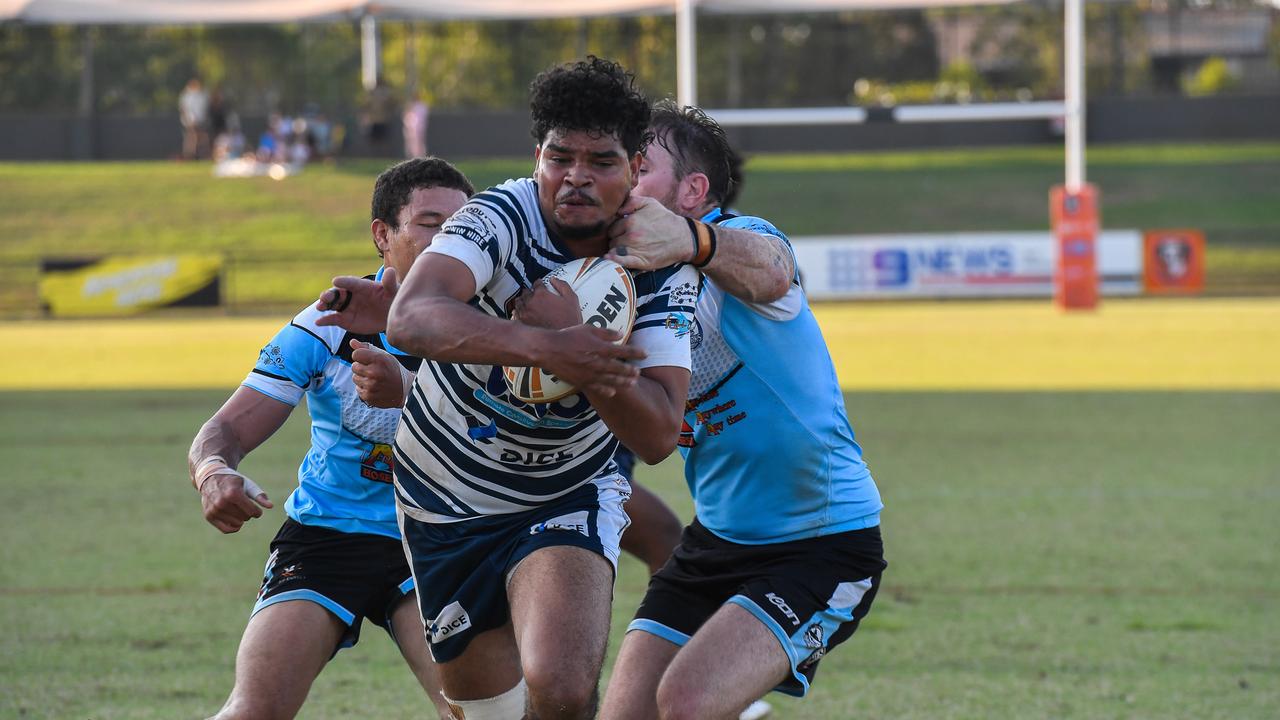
(512, 512)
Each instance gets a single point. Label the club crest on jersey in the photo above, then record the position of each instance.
(271, 356)
(377, 463)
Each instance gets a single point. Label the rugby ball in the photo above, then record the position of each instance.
(606, 298)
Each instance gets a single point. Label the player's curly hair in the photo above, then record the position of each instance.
(593, 95)
(697, 143)
(393, 187)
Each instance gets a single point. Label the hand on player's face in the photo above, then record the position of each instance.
(359, 305)
(648, 236)
(545, 307)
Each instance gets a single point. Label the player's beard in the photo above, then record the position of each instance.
(581, 232)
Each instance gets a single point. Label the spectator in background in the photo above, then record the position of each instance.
(320, 129)
(301, 144)
(271, 141)
(378, 110)
(415, 127)
(193, 111)
(219, 107)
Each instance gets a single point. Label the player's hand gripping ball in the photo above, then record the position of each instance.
(606, 298)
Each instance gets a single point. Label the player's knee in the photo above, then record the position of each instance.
(679, 698)
(244, 707)
(555, 694)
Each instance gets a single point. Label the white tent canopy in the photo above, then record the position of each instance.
(214, 12)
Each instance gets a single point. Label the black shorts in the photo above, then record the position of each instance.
(810, 593)
(352, 575)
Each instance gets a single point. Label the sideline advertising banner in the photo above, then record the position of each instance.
(128, 285)
(1174, 261)
(939, 265)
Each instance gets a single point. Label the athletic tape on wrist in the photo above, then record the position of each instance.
(217, 465)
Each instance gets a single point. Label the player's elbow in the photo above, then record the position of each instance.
(772, 287)
(407, 332)
(656, 451)
(656, 446)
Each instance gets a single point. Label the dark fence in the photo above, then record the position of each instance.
(498, 134)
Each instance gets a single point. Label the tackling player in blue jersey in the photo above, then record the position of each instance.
(784, 556)
(338, 557)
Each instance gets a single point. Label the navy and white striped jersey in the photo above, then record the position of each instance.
(466, 447)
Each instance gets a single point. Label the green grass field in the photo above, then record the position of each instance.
(1081, 509)
(1053, 555)
(286, 238)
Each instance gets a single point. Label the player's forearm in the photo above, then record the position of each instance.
(750, 266)
(441, 328)
(216, 439)
(645, 417)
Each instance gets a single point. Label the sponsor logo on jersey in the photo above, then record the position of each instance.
(685, 439)
(679, 324)
(684, 294)
(452, 620)
(377, 463)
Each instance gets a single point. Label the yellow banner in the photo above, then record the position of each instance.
(130, 285)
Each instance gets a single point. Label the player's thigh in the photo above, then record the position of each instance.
(284, 648)
(560, 598)
(633, 686)
(654, 530)
(732, 660)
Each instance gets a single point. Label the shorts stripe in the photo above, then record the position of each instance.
(343, 614)
(672, 636)
(749, 605)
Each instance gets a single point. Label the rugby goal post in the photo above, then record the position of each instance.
(1073, 205)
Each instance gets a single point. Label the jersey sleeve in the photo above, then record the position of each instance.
(481, 235)
(295, 358)
(787, 306)
(664, 318)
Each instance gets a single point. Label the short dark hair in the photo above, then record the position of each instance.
(697, 143)
(593, 95)
(393, 187)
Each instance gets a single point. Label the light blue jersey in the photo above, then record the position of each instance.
(770, 455)
(344, 482)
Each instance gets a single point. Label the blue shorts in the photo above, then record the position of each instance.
(461, 569)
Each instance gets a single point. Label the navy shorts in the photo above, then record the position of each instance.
(352, 575)
(462, 568)
(811, 594)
